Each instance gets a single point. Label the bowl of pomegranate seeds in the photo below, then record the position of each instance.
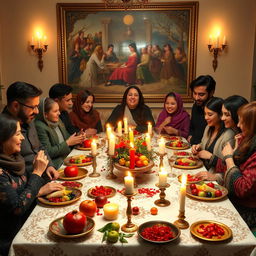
(101, 191)
(158, 231)
(72, 184)
(210, 230)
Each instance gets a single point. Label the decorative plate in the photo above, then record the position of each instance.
(195, 227)
(174, 229)
(77, 194)
(72, 184)
(136, 169)
(195, 163)
(173, 145)
(112, 193)
(190, 179)
(68, 163)
(81, 174)
(203, 198)
(56, 227)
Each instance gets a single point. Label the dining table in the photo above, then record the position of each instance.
(35, 238)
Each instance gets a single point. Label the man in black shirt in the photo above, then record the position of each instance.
(62, 94)
(202, 89)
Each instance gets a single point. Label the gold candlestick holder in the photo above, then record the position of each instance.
(111, 175)
(162, 202)
(161, 161)
(181, 222)
(129, 227)
(94, 174)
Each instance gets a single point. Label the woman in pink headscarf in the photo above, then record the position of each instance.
(173, 119)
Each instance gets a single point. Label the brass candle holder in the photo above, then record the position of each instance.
(181, 222)
(94, 174)
(111, 175)
(129, 227)
(162, 202)
(161, 161)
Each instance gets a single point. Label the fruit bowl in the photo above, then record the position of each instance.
(188, 163)
(79, 160)
(177, 144)
(136, 169)
(81, 174)
(96, 191)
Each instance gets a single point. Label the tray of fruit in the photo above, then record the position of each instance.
(190, 179)
(72, 184)
(72, 173)
(158, 231)
(79, 160)
(86, 144)
(139, 166)
(188, 163)
(101, 191)
(177, 144)
(206, 191)
(61, 197)
(210, 230)
(181, 154)
(71, 227)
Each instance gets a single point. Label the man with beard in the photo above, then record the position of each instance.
(22, 103)
(202, 89)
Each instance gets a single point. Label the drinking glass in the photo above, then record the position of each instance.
(171, 161)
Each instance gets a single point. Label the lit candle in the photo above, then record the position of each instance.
(224, 40)
(210, 40)
(129, 184)
(111, 211)
(109, 130)
(112, 142)
(45, 40)
(94, 148)
(125, 125)
(149, 128)
(162, 177)
(32, 41)
(119, 128)
(148, 142)
(183, 192)
(131, 136)
(161, 149)
(132, 156)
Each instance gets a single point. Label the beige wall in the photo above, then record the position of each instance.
(234, 74)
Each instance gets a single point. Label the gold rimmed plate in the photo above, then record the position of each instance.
(184, 145)
(198, 164)
(68, 163)
(56, 227)
(204, 198)
(81, 174)
(195, 227)
(189, 179)
(113, 192)
(77, 194)
(175, 230)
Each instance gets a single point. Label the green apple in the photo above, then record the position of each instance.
(112, 236)
(115, 226)
(201, 194)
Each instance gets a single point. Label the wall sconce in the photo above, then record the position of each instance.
(39, 46)
(216, 49)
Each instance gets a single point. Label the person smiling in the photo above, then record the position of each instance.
(134, 109)
(173, 119)
(52, 132)
(18, 187)
(83, 115)
(214, 138)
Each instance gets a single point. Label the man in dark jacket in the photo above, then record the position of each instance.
(202, 89)
(22, 103)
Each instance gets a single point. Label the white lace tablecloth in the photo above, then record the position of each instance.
(34, 239)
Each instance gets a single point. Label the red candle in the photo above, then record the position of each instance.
(132, 156)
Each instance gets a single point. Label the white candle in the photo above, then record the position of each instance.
(109, 130)
(224, 40)
(110, 211)
(131, 136)
(94, 148)
(148, 142)
(32, 41)
(183, 192)
(125, 125)
(210, 40)
(162, 177)
(129, 184)
(149, 128)
(112, 142)
(119, 128)
(161, 149)
(45, 40)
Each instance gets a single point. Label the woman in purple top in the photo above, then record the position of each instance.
(173, 119)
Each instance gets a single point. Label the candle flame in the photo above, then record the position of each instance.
(107, 125)
(39, 34)
(129, 174)
(184, 179)
(131, 145)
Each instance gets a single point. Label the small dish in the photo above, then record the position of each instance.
(174, 229)
(72, 184)
(198, 163)
(81, 174)
(68, 163)
(170, 145)
(195, 226)
(56, 227)
(75, 191)
(113, 191)
(189, 179)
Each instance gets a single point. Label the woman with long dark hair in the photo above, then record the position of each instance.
(83, 115)
(134, 109)
(214, 138)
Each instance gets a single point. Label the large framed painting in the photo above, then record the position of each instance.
(105, 50)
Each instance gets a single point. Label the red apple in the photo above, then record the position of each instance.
(101, 201)
(88, 207)
(71, 171)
